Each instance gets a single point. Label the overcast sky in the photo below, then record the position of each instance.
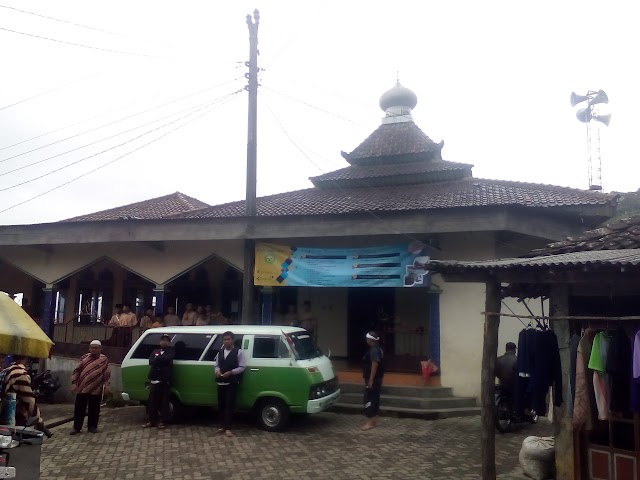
(493, 81)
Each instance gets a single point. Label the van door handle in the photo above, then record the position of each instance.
(254, 369)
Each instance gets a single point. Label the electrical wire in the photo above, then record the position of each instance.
(104, 139)
(81, 44)
(62, 21)
(111, 123)
(115, 146)
(313, 106)
(105, 164)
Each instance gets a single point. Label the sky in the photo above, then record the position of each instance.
(150, 108)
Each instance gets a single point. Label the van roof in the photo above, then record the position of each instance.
(236, 329)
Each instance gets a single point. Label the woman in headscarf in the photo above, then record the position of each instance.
(17, 380)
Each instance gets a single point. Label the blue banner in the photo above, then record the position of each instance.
(387, 266)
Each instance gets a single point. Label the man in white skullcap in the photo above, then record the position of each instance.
(87, 382)
(372, 371)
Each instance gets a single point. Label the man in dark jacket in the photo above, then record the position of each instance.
(230, 363)
(161, 362)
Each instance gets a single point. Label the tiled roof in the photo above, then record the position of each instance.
(471, 192)
(403, 139)
(148, 209)
(416, 169)
(616, 258)
(621, 234)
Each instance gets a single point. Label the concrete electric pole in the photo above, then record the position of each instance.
(248, 297)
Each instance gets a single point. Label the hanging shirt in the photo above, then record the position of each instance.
(618, 367)
(573, 356)
(584, 405)
(597, 363)
(636, 356)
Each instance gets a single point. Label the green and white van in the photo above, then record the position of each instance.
(285, 371)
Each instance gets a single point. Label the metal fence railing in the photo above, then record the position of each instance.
(77, 333)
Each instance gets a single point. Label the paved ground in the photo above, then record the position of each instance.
(327, 445)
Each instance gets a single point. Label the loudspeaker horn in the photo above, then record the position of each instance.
(584, 115)
(576, 99)
(599, 97)
(606, 119)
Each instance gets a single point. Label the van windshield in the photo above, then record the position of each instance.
(303, 346)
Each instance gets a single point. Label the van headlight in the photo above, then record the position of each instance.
(318, 391)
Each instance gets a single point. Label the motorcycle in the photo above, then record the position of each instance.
(11, 438)
(506, 417)
(45, 386)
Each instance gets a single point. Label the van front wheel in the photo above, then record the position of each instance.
(273, 414)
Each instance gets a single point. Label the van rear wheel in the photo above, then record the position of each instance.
(273, 414)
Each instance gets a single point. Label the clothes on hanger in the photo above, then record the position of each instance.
(619, 369)
(584, 401)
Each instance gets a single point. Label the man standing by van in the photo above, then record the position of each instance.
(88, 381)
(161, 362)
(372, 371)
(230, 364)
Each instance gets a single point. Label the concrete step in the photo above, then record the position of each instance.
(400, 412)
(408, 391)
(412, 402)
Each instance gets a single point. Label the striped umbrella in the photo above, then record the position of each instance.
(19, 334)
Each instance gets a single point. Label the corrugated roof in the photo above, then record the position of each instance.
(616, 258)
(621, 234)
(159, 207)
(470, 192)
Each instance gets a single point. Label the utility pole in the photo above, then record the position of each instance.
(248, 297)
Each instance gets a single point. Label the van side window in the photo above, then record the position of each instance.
(212, 353)
(269, 347)
(147, 346)
(189, 346)
(215, 347)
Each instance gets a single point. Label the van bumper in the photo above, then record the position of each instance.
(315, 406)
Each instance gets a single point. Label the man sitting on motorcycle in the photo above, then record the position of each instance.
(507, 369)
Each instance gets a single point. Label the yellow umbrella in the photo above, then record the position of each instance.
(19, 334)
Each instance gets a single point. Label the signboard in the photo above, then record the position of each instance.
(387, 266)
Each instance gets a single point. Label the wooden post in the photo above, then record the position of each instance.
(489, 354)
(564, 439)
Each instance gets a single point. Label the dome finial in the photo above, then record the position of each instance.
(397, 103)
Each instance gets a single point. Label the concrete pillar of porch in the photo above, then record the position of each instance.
(48, 309)
(158, 292)
(266, 305)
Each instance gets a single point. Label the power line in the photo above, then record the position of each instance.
(116, 146)
(37, 95)
(62, 21)
(106, 164)
(81, 44)
(110, 123)
(313, 106)
(106, 138)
